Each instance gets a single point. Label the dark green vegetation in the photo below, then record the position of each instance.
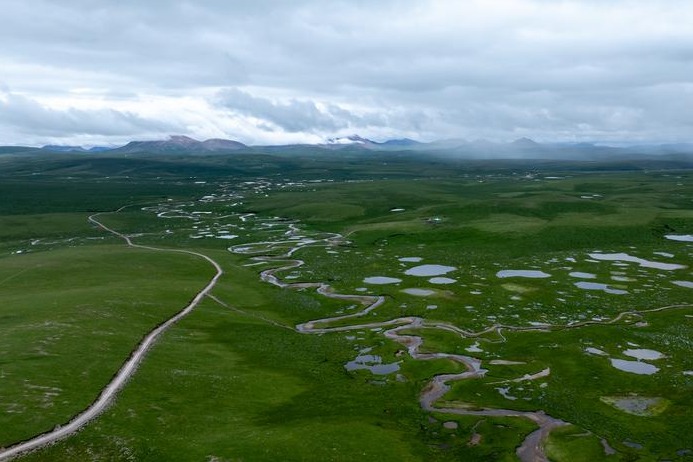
(234, 381)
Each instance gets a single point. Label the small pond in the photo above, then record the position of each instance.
(635, 367)
(642, 353)
(410, 259)
(580, 275)
(680, 237)
(429, 270)
(442, 280)
(373, 363)
(419, 292)
(621, 257)
(534, 274)
(598, 286)
(379, 280)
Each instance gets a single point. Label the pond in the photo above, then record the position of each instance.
(419, 292)
(598, 286)
(680, 237)
(642, 353)
(534, 274)
(379, 280)
(373, 363)
(634, 367)
(621, 257)
(475, 348)
(429, 270)
(580, 275)
(442, 280)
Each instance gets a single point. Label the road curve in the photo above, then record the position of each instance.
(109, 393)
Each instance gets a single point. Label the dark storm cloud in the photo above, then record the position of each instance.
(438, 68)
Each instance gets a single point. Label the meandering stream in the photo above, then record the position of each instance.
(280, 253)
(532, 447)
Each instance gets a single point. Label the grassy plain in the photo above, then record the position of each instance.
(69, 319)
(234, 381)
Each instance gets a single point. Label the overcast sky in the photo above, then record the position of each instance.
(278, 71)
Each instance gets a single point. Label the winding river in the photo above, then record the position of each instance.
(531, 450)
(280, 253)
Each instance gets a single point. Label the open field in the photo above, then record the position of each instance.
(550, 278)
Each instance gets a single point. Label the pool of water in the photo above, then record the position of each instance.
(373, 363)
(410, 259)
(442, 280)
(505, 391)
(429, 270)
(634, 367)
(534, 274)
(580, 275)
(623, 257)
(643, 353)
(680, 237)
(688, 284)
(419, 292)
(379, 280)
(622, 279)
(227, 236)
(599, 286)
(474, 348)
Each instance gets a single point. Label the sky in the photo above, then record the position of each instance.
(103, 72)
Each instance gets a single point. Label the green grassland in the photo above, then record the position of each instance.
(235, 381)
(69, 319)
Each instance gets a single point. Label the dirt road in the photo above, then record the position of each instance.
(109, 393)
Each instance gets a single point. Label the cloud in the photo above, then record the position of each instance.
(434, 69)
(292, 116)
(296, 115)
(28, 116)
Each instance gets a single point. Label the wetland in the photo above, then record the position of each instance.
(326, 336)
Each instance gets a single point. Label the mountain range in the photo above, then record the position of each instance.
(179, 143)
(523, 148)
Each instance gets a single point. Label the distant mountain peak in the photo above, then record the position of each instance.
(347, 140)
(66, 148)
(525, 142)
(182, 143)
(62, 148)
(401, 142)
(182, 139)
(218, 144)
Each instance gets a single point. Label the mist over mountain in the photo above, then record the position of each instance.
(63, 148)
(522, 148)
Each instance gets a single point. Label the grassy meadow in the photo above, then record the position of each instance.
(235, 381)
